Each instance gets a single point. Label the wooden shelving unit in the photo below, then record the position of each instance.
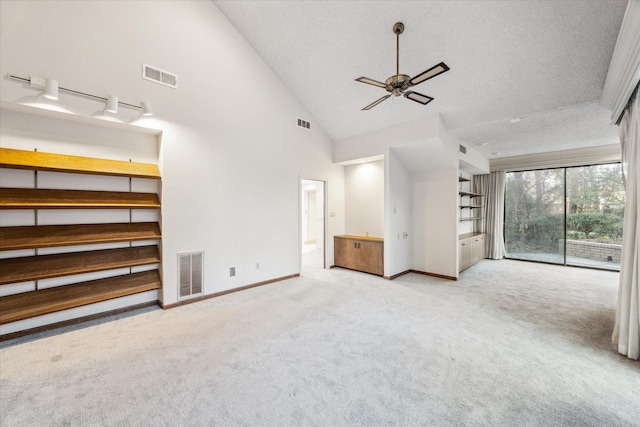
(20, 269)
(471, 246)
(46, 301)
(470, 205)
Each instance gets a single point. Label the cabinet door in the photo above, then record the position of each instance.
(466, 253)
(345, 253)
(480, 248)
(370, 257)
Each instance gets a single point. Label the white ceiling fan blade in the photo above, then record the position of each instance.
(367, 80)
(418, 97)
(376, 102)
(430, 73)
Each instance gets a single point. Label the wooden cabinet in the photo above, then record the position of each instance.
(471, 249)
(359, 253)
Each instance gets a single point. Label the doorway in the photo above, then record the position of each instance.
(312, 220)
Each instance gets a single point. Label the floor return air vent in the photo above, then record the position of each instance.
(190, 273)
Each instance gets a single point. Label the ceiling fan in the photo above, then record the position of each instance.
(399, 83)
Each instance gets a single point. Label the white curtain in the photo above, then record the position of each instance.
(626, 332)
(492, 186)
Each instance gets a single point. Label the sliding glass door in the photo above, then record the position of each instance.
(595, 210)
(570, 216)
(534, 215)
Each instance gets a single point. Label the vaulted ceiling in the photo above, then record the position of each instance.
(525, 76)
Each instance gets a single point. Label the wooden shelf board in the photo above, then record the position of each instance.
(472, 218)
(23, 269)
(469, 235)
(37, 303)
(43, 236)
(466, 193)
(33, 160)
(31, 198)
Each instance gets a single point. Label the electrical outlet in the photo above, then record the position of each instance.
(232, 271)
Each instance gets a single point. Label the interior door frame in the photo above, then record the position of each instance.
(324, 220)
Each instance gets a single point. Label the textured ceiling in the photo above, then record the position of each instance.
(544, 62)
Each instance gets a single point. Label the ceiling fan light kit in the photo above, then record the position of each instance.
(399, 83)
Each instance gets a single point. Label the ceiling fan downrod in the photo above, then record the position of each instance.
(398, 28)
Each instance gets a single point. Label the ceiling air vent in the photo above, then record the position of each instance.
(159, 76)
(190, 273)
(463, 149)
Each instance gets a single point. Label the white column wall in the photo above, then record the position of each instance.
(398, 225)
(435, 202)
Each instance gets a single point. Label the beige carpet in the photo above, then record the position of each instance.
(510, 343)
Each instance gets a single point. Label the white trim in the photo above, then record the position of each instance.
(624, 69)
(577, 157)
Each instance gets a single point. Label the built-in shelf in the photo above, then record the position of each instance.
(469, 194)
(473, 218)
(37, 303)
(24, 269)
(33, 160)
(44, 236)
(35, 198)
(471, 244)
(19, 272)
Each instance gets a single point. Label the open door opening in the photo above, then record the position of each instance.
(312, 222)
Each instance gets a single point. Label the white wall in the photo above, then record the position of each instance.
(376, 143)
(398, 208)
(364, 199)
(435, 203)
(231, 154)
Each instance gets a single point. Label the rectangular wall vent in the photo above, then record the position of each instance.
(190, 273)
(304, 124)
(159, 76)
(463, 149)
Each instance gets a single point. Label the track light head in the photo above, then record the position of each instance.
(51, 89)
(146, 109)
(112, 104)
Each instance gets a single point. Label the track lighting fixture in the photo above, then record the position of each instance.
(51, 90)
